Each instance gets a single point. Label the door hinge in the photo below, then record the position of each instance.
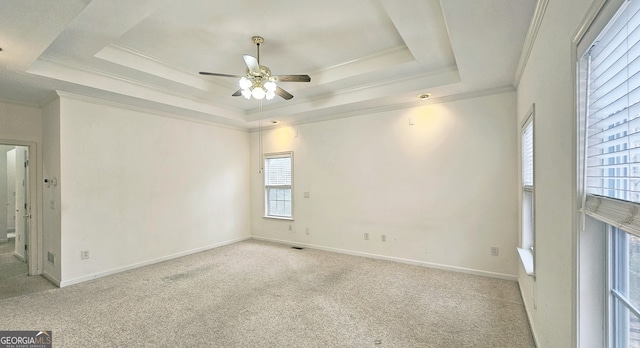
(26, 163)
(26, 247)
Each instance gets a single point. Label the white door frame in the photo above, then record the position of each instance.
(35, 255)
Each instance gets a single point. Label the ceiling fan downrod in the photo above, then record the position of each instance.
(258, 40)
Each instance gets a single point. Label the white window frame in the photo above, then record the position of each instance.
(527, 217)
(603, 214)
(266, 157)
(621, 309)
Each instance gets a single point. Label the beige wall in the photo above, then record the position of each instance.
(442, 191)
(137, 188)
(548, 81)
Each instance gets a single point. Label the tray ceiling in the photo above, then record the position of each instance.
(361, 54)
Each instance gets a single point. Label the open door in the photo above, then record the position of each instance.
(23, 206)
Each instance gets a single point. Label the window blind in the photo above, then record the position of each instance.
(527, 155)
(278, 185)
(613, 122)
(278, 171)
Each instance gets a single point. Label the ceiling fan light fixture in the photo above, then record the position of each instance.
(270, 94)
(258, 81)
(245, 83)
(258, 93)
(270, 86)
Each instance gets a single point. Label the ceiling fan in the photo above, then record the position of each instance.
(258, 81)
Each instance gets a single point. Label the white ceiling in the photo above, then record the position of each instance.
(361, 55)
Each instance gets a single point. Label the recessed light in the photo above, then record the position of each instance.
(275, 122)
(424, 96)
(0, 49)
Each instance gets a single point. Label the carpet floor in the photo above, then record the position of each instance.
(14, 275)
(260, 294)
(8, 247)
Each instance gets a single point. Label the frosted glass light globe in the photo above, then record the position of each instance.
(270, 86)
(244, 83)
(270, 94)
(258, 93)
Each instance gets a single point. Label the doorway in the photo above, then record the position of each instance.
(15, 211)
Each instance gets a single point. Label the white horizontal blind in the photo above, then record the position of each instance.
(278, 171)
(527, 155)
(622, 214)
(613, 125)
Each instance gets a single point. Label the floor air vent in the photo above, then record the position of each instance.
(297, 248)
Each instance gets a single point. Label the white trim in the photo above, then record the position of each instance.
(273, 155)
(51, 278)
(530, 40)
(19, 257)
(529, 317)
(141, 109)
(36, 242)
(526, 256)
(596, 15)
(392, 258)
(144, 263)
(278, 217)
(20, 103)
(392, 107)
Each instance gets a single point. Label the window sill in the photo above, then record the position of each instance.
(526, 256)
(278, 218)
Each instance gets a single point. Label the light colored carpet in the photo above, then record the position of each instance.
(14, 276)
(8, 247)
(10, 266)
(259, 294)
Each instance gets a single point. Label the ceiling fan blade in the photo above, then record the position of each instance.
(292, 78)
(284, 94)
(216, 74)
(252, 63)
(237, 93)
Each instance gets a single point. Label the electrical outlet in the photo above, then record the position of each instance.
(51, 258)
(366, 236)
(84, 254)
(384, 238)
(426, 252)
(290, 227)
(495, 251)
(306, 231)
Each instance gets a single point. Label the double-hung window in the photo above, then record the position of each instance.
(609, 82)
(278, 178)
(526, 252)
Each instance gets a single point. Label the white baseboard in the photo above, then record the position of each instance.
(148, 262)
(19, 256)
(51, 278)
(529, 317)
(392, 258)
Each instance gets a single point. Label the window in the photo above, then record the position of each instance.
(527, 251)
(625, 288)
(278, 174)
(609, 97)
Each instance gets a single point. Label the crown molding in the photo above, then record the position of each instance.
(530, 40)
(397, 106)
(20, 103)
(450, 74)
(141, 109)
